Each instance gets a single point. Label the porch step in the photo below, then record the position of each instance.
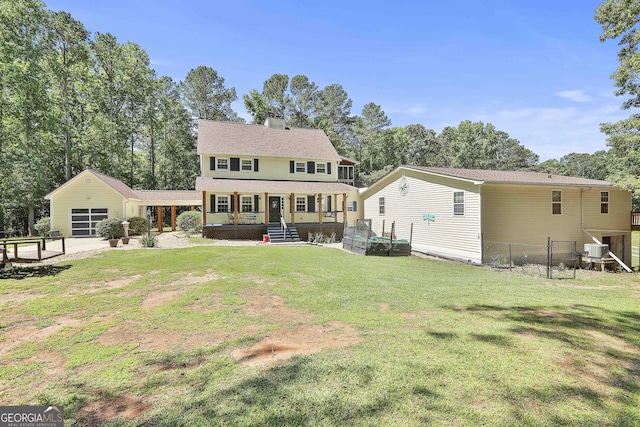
(276, 234)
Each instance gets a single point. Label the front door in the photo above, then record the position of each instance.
(274, 209)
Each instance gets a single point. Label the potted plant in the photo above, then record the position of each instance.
(110, 229)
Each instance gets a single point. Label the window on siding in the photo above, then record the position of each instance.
(301, 204)
(381, 205)
(458, 202)
(321, 168)
(353, 207)
(223, 164)
(223, 204)
(556, 202)
(246, 204)
(604, 202)
(301, 167)
(247, 165)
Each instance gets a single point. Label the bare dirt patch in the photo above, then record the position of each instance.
(156, 340)
(126, 407)
(264, 304)
(156, 299)
(21, 333)
(89, 288)
(283, 344)
(296, 336)
(383, 307)
(191, 279)
(18, 298)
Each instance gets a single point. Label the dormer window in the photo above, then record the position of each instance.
(222, 164)
(247, 165)
(321, 167)
(301, 167)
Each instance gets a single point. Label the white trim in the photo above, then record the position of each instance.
(608, 202)
(250, 164)
(555, 203)
(295, 167)
(218, 165)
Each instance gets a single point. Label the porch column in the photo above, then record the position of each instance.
(292, 206)
(173, 218)
(320, 208)
(344, 210)
(204, 209)
(235, 208)
(193, 208)
(266, 208)
(160, 219)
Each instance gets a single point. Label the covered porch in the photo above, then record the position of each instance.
(242, 209)
(163, 203)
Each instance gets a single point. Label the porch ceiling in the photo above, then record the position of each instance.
(261, 186)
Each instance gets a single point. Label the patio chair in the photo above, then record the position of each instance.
(230, 217)
(251, 218)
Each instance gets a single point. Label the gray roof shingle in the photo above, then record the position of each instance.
(238, 139)
(509, 177)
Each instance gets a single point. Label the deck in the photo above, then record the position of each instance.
(635, 221)
(31, 250)
(256, 231)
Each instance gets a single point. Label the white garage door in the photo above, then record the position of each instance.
(83, 220)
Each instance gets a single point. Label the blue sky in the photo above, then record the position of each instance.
(535, 69)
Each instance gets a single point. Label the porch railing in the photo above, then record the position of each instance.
(635, 220)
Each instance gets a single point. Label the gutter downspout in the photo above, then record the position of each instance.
(611, 254)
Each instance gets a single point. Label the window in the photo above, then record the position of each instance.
(345, 173)
(381, 205)
(604, 202)
(301, 204)
(223, 204)
(223, 164)
(353, 207)
(301, 167)
(556, 202)
(246, 204)
(458, 202)
(247, 165)
(321, 168)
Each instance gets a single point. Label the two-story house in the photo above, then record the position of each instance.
(261, 175)
(251, 176)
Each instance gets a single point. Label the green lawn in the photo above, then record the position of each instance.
(201, 336)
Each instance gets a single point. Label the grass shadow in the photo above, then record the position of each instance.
(20, 273)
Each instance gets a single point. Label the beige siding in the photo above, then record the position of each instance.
(271, 168)
(79, 194)
(449, 235)
(523, 214)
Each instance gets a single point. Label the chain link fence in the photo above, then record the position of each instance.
(555, 260)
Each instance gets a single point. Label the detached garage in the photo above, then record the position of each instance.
(84, 200)
(79, 204)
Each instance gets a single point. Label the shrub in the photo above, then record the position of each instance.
(43, 226)
(190, 221)
(138, 225)
(110, 228)
(149, 241)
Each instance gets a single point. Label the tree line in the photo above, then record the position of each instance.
(71, 100)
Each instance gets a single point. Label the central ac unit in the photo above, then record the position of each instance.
(595, 250)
